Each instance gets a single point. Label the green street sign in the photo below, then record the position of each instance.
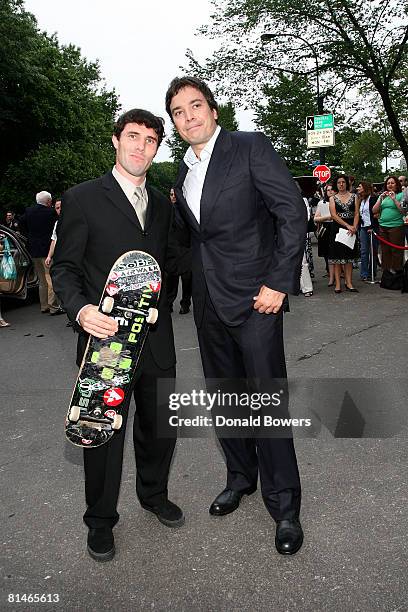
(320, 131)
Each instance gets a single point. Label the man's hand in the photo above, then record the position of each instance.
(96, 323)
(268, 300)
(48, 261)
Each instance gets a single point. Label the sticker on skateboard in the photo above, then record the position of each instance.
(104, 380)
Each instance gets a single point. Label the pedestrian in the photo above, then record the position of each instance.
(306, 284)
(365, 201)
(57, 208)
(100, 220)
(391, 221)
(345, 215)
(324, 220)
(37, 224)
(186, 278)
(11, 221)
(248, 224)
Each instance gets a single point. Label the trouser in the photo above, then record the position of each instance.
(306, 285)
(172, 289)
(392, 258)
(48, 299)
(254, 351)
(365, 251)
(103, 465)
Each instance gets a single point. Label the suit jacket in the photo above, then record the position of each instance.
(252, 226)
(97, 225)
(37, 223)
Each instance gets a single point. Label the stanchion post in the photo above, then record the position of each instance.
(372, 281)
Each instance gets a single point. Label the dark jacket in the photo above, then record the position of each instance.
(37, 224)
(252, 226)
(97, 225)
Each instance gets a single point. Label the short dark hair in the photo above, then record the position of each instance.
(336, 178)
(189, 81)
(142, 117)
(397, 182)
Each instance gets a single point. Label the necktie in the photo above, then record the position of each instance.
(139, 201)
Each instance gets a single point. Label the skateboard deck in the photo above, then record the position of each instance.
(104, 380)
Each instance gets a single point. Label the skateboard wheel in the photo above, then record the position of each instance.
(117, 421)
(152, 316)
(74, 413)
(107, 304)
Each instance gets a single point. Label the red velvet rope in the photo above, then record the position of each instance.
(396, 246)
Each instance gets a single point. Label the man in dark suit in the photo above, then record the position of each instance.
(37, 223)
(248, 226)
(100, 220)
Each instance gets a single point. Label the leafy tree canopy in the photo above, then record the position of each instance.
(356, 43)
(49, 95)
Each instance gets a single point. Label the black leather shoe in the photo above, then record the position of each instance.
(228, 501)
(184, 310)
(289, 536)
(168, 513)
(101, 545)
(59, 311)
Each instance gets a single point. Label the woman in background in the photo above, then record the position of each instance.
(368, 223)
(345, 215)
(323, 219)
(391, 223)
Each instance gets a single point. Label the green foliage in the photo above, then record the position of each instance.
(162, 175)
(364, 155)
(49, 95)
(282, 117)
(356, 42)
(53, 167)
(226, 118)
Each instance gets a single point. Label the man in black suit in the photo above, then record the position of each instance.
(37, 223)
(100, 220)
(248, 226)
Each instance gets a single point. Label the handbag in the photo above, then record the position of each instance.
(8, 270)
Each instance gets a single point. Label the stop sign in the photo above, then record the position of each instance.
(322, 173)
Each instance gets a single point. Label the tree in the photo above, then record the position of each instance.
(363, 157)
(49, 95)
(356, 42)
(162, 175)
(282, 118)
(226, 118)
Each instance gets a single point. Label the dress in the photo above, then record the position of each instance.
(339, 253)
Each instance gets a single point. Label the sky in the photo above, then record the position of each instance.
(140, 44)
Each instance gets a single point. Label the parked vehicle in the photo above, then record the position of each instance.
(26, 276)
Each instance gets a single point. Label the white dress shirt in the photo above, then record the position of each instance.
(128, 187)
(194, 181)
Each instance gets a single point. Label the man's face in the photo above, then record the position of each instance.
(58, 207)
(195, 121)
(9, 217)
(135, 150)
(403, 181)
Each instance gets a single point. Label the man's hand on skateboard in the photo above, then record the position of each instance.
(268, 300)
(96, 323)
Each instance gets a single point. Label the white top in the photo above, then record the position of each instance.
(194, 181)
(54, 232)
(323, 210)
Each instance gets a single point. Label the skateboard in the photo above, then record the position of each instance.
(104, 381)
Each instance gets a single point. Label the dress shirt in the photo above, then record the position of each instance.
(194, 181)
(128, 189)
(365, 212)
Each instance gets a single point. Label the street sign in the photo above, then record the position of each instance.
(320, 131)
(323, 173)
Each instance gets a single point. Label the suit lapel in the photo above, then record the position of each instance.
(218, 168)
(181, 201)
(151, 208)
(116, 195)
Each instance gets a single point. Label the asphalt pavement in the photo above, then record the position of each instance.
(355, 500)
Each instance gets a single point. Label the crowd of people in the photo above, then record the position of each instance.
(350, 225)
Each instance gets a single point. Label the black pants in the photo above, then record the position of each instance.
(103, 465)
(172, 289)
(253, 350)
